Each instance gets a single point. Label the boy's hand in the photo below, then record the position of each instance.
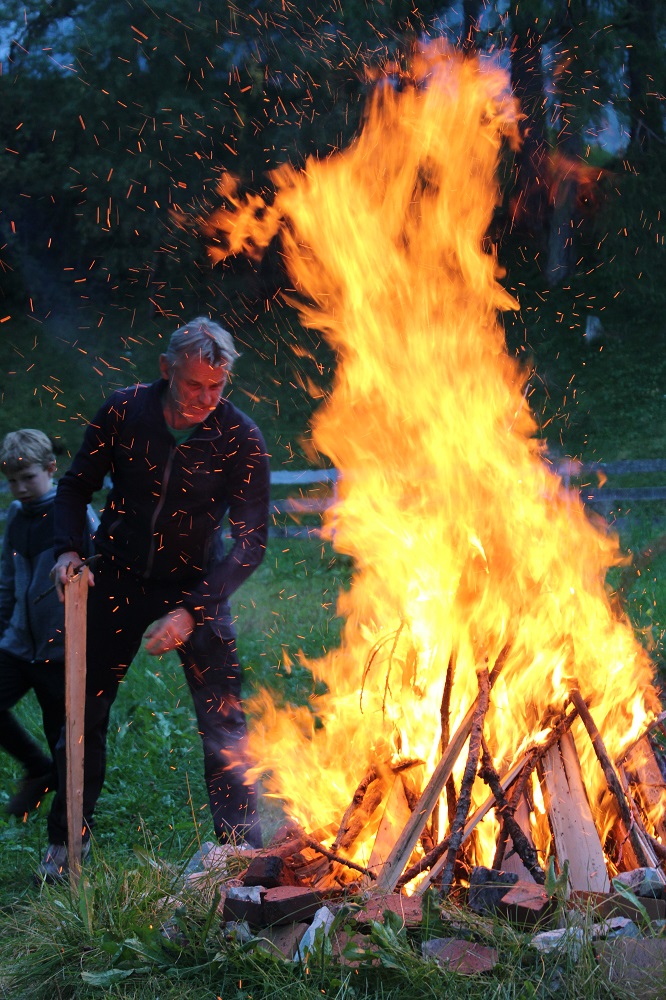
(169, 632)
(66, 567)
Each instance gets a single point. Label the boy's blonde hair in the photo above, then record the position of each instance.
(25, 447)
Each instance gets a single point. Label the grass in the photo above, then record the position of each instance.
(153, 812)
(110, 940)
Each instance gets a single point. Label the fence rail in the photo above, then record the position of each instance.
(568, 470)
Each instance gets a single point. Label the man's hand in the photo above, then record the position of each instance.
(67, 566)
(169, 632)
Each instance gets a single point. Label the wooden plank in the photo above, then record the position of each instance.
(576, 837)
(76, 596)
(396, 815)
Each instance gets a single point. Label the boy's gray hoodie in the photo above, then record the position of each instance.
(29, 629)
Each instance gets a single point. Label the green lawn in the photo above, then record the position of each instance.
(153, 813)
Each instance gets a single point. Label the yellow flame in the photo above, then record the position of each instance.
(463, 539)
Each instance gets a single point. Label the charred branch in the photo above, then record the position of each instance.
(525, 851)
(337, 858)
(612, 780)
(405, 844)
(465, 797)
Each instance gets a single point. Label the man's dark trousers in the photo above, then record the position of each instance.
(121, 606)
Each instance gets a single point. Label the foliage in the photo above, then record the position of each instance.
(153, 100)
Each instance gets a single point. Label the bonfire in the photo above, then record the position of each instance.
(480, 651)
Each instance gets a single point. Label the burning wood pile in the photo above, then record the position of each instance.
(488, 706)
(551, 764)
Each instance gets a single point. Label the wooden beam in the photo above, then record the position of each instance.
(574, 831)
(76, 596)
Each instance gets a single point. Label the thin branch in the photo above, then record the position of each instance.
(332, 856)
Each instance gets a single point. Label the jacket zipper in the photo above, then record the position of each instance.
(28, 622)
(158, 511)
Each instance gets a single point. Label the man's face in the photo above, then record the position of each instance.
(31, 482)
(195, 388)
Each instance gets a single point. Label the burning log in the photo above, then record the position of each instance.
(332, 856)
(518, 774)
(397, 813)
(642, 849)
(525, 850)
(574, 831)
(640, 771)
(445, 715)
(507, 857)
(365, 800)
(404, 846)
(465, 797)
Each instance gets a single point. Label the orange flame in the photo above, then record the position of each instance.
(463, 540)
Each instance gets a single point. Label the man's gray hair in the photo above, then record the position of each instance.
(203, 340)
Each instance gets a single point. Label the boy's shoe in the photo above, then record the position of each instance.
(54, 867)
(31, 791)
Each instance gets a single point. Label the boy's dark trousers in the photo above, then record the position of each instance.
(121, 606)
(47, 680)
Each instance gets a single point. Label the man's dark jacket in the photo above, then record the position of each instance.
(163, 518)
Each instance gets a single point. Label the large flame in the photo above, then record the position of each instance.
(463, 540)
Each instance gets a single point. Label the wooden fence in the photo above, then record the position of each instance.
(574, 475)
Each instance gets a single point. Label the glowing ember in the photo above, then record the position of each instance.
(463, 540)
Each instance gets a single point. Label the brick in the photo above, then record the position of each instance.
(464, 957)
(285, 904)
(610, 904)
(244, 904)
(356, 945)
(284, 938)
(408, 908)
(270, 871)
(527, 904)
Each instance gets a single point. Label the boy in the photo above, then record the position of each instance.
(31, 617)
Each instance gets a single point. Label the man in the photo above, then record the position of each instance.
(180, 457)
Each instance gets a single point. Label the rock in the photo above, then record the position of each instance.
(645, 882)
(487, 886)
(198, 861)
(465, 957)
(323, 918)
(569, 939)
(638, 966)
(615, 927)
